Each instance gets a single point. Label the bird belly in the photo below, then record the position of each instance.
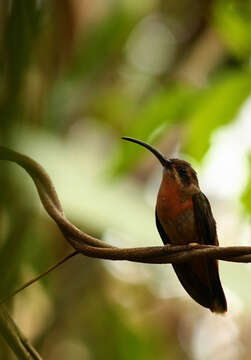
(180, 230)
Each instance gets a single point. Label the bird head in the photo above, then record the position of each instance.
(178, 170)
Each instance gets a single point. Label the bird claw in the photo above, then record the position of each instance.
(193, 244)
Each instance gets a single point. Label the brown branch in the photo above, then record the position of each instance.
(13, 336)
(92, 247)
(40, 276)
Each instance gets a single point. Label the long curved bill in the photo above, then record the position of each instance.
(163, 160)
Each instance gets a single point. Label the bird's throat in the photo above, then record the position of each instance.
(171, 201)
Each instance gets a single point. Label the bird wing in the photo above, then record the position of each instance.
(161, 231)
(205, 223)
(207, 234)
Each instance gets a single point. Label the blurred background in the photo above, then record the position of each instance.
(75, 76)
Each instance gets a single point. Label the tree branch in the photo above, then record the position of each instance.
(89, 246)
(13, 336)
(92, 247)
(32, 281)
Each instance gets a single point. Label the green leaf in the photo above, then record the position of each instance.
(232, 20)
(217, 106)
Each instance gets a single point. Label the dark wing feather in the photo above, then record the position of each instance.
(161, 231)
(207, 234)
(204, 219)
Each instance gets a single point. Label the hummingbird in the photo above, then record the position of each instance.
(183, 215)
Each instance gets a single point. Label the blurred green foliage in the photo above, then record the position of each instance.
(162, 111)
(246, 195)
(232, 20)
(218, 105)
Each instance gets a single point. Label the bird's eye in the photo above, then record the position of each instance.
(182, 171)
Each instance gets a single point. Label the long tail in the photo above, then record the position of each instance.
(200, 278)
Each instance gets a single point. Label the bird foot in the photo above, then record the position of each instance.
(193, 244)
(168, 246)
